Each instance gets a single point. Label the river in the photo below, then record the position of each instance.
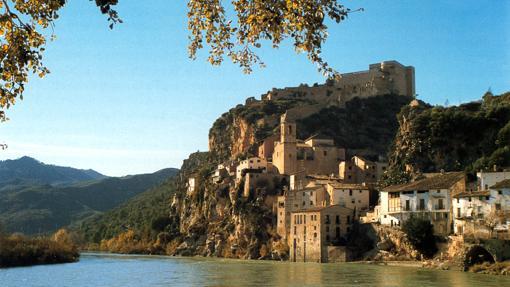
(130, 270)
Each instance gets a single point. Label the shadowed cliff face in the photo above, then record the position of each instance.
(468, 137)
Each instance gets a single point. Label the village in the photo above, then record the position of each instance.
(318, 190)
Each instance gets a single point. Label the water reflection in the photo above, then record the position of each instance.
(101, 270)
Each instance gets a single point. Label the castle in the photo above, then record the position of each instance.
(388, 77)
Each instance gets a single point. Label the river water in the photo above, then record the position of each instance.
(129, 270)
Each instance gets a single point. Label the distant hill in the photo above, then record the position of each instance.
(41, 208)
(30, 170)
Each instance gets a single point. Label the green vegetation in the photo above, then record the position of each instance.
(17, 250)
(364, 124)
(420, 233)
(146, 215)
(35, 209)
(470, 137)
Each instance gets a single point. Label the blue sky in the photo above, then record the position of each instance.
(129, 100)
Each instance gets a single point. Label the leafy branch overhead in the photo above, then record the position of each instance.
(227, 31)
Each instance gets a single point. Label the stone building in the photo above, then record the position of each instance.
(257, 181)
(312, 156)
(266, 148)
(429, 197)
(360, 170)
(318, 233)
(352, 196)
(294, 200)
(388, 77)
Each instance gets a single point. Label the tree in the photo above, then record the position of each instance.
(420, 233)
(232, 31)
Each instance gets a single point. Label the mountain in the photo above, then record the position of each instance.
(30, 170)
(471, 137)
(41, 208)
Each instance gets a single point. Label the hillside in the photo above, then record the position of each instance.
(29, 170)
(367, 125)
(471, 137)
(145, 213)
(31, 209)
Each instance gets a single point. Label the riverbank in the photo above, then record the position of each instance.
(17, 250)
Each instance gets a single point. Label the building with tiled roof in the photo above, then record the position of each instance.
(427, 197)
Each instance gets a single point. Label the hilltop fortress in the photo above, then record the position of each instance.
(388, 77)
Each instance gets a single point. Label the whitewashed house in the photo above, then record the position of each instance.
(428, 197)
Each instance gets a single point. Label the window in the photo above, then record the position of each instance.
(348, 219)
(295, 230)
(337, 219)
(408, 205)
(360, 191)
(441, 205)
(498, 206)
(458, 212)
(486, 186)
(327, 219)
(327, 228)
(350, 192)
(325, 153)
(315, 235)
(480, 198)
(500, 192)
(327, 237)
(304, 203)
(469, 199)
(337, 233)
(458, 200)
(487, 197)
(422, 203)
(311, 202)
(349, 177)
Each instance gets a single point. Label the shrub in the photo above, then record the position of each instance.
(420, 233)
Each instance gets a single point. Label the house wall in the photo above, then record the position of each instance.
(251, 163)
(351, 198)
(294, 201)
(488, 179)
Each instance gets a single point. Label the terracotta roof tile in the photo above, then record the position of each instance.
(439, 181)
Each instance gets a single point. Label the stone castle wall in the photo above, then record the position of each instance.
(389, 77)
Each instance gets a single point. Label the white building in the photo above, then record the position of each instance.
(487, 179)
(429, 197)
(476, 212)
(251, 164)
(500, 196)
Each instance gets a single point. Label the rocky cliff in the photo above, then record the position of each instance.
(215, 220)
(366, 125)
(468, 137)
